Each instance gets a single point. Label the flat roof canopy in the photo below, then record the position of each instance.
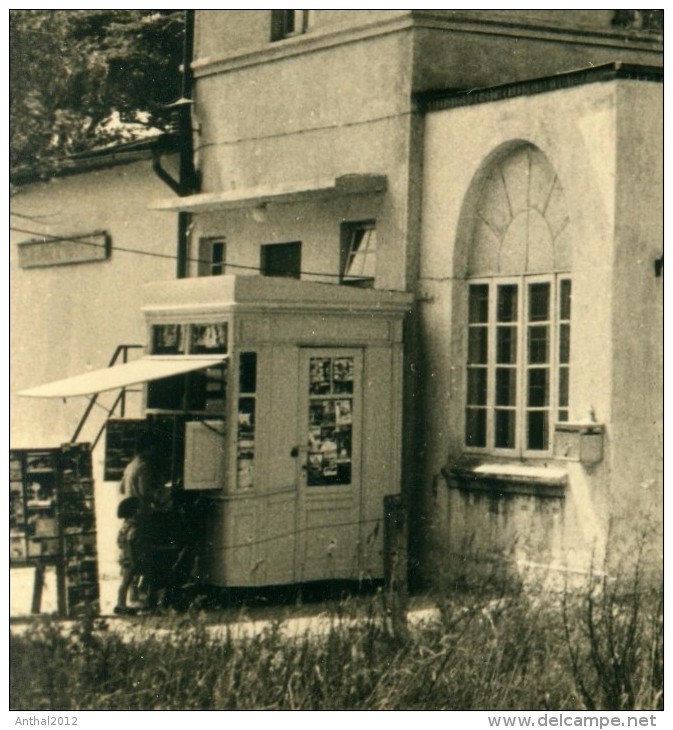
(354, 184)
(119, 376)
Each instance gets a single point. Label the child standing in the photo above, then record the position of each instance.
(128, 541)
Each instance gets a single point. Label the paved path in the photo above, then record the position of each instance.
(169, 626)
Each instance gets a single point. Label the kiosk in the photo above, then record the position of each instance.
(292, 426)
(280, 402)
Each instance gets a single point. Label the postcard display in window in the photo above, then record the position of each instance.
(245, 444)
(330, 420)
(52, 521)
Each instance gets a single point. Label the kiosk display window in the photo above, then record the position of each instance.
(190, 407)
(330, 419)
(208, 339)
(168, 339)
(204, 339)
(201, 391)
(247, 402)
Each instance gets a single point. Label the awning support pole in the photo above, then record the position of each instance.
(123, 350)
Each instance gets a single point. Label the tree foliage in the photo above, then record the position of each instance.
(80, 79)
(649, 20)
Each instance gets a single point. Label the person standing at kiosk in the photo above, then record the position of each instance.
(142, 484)
(142, 476)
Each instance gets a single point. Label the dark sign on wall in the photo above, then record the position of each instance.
(57, 251)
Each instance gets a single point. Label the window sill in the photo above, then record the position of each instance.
(366, 282)
(501, 478)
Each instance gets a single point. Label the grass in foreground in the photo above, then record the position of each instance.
(601, 650)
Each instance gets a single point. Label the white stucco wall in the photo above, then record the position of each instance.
(637, 316)
(221, 32)
(312, 115)
(592, 148)
(68, 319)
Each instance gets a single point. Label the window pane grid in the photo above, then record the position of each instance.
(478, 309)
(506, 345)
(507, 303)
(538, 301)
(506, 371)
(505, 428)
(510, 401)
(505, 387)
(506, 366)
(476, 413)
(537, 435)
(477, 345)
(538, 353)
(564, 294)
(538, 344)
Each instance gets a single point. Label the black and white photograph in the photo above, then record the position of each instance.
(336, 351)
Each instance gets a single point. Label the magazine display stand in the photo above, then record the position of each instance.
(52, 523)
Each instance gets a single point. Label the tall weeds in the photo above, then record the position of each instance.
(614, 636)
(599, 650)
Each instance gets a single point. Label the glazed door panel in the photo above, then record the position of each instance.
(329, 474)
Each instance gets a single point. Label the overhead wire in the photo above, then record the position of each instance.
(74, 239)
(51, 237)
(305, 530)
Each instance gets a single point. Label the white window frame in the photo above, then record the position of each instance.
(206, 264)
(352, 254)
(521, 407)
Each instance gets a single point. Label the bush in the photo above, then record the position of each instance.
(614, 633)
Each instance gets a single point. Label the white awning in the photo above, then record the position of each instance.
(354, 184)
(119, 376)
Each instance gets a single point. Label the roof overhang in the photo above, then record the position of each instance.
(431, 101)
(355, 184)
(124, 153)
(120, 376)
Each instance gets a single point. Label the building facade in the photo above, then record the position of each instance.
(325, 155)
(541, 299)
(501, 168)
(82, 245)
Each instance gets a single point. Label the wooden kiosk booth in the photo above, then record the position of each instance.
(290, 423)
(282, 403)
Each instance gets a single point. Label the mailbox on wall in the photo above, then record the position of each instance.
(581, 442)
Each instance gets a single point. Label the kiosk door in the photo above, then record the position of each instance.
(329, 477)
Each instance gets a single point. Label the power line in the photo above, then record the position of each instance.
(35, 218)
(73, 239)
(370, 538)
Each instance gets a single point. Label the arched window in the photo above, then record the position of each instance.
(519, 301)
